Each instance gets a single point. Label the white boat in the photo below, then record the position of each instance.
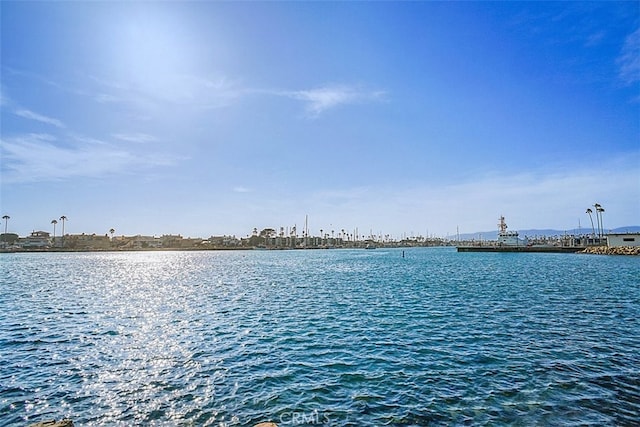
(507, 238)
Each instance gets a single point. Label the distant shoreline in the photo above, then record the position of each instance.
(203, 249)
(68, 250)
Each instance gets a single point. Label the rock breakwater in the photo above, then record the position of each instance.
(604, 250)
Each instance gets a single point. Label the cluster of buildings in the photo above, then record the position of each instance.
(42, 240)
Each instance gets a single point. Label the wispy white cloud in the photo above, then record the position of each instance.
(629, 59)
(28, 114)
(7, 103)
(200, 92)
(138, 138)
(206, 92)
(323, 98)
(43, 157)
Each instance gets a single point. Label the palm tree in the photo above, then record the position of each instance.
(599, 210)
(6, 221)
(63, 219)
(54, 222)
(589, 212)
(595, 205)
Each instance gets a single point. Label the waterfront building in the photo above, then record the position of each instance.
(224, 241)
(617, 240)
(36, 240)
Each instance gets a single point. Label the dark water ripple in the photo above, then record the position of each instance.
(344, 338)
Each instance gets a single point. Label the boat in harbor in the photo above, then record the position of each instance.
(508, 238)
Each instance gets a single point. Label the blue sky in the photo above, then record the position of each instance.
(210, 118)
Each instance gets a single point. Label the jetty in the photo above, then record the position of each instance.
(616, 250)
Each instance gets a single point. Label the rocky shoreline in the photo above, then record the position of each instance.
(604, 250)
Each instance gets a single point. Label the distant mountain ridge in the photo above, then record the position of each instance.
(493, 235)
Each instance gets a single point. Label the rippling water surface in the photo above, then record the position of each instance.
(337, 337)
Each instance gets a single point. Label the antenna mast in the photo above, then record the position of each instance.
(502, 225)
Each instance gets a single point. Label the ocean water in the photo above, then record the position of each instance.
(320, 337)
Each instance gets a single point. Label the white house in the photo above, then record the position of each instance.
(616, 240)
(37, 239)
